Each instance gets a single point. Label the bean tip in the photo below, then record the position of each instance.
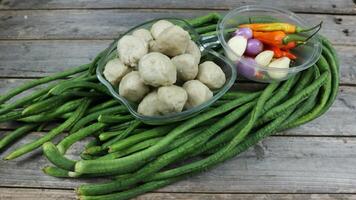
(8, 157)
(111, 150)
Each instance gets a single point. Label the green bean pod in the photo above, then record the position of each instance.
(74, 137)
(112, 119)
(55, 157)
(33, 83)
(125, 164)
(16, 134)
(53, 133)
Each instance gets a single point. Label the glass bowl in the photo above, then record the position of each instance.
(307, 54)
(207, 54)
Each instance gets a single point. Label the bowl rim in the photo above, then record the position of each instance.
(317, 47)
(173, 117)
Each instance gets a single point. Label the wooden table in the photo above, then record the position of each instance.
(317, 160)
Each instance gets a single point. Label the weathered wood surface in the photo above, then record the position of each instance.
(42, 194)
(41, 58)
(38, 38)
(277, 165)
(107, 24)
(336, 6)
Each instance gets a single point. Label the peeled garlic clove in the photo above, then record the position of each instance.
(279, 64)
(238, 45)
(264, 58)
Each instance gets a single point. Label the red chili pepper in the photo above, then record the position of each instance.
(289, 45)
(278, 53)
(285, 27)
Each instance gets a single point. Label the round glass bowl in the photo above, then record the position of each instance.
(207, 54)
(307, 54)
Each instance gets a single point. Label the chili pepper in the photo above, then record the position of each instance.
(289, 45)
(274, 38)
(279, 38)
(285, 27)
(278, 53)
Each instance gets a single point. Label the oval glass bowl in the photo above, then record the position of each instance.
(207, 54)
(307, 54)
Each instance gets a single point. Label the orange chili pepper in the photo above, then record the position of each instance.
(285, 27)
(274, 38)
(279, 39)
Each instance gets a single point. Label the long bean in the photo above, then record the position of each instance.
(106, 104)
(53, 133)
(133, 192)
(129, 130)
(77, 84)
(112, 119)
(211, 17)
(53, 114)
(47, 104)
(104, 136)
(16, 134)
(28, 99)
(125, 164)
(55, 157)
(155, 132)
(94, 116)
(15, 91)
(326, 88)
(17, 114)
(164, 159)
(137, 147)
(64, 144)
(55, 172)
(227, 152)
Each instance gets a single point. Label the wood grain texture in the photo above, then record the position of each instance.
(277, 165)
(46, 194)
(336, 6)
(107, 24)
(42, 58)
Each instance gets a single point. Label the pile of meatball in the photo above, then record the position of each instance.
(160, 70)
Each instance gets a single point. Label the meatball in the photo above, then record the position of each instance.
(159, 26)
(131, 49)
(115, 70)
(211, 75)
(149, 105)
(173, 41)
(198, 93)
(132, 87)
(193, 49)
(157, 70)
(187, 68)
(171, 99)
(143, 34)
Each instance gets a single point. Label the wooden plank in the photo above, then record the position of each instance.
(43, 194)
(337, 6)
(42, 58)
(277, 165)
(342, 114)
(36, 194)
(107, 24)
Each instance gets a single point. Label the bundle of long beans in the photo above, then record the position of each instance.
(138, 158)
